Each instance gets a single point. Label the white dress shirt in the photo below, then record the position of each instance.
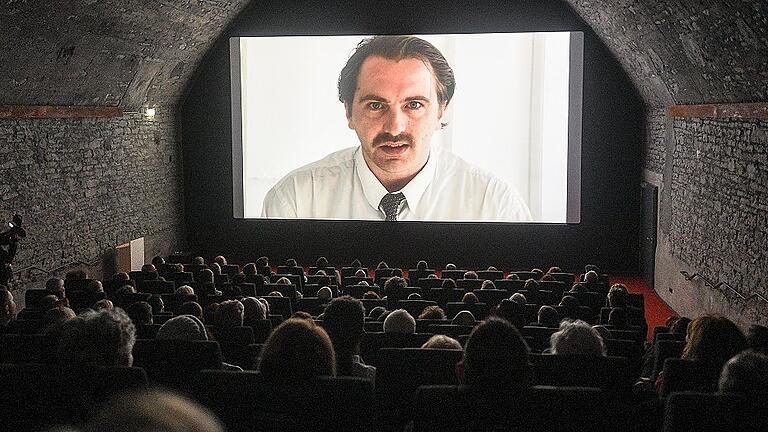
(341, 186)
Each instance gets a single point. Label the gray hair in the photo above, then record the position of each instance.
(577, 338)
(399, 321)
(183, 327)
(97, 338)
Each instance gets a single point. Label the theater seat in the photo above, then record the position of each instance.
(372, 342)
(540, 408)
(612, 374)
(400, 372)
(245, 402)
(711, 412)
(174, 363)
(687, 375)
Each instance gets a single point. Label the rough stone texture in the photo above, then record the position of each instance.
(84, 186)
(681, 51)
(104, 52)
(655, 150)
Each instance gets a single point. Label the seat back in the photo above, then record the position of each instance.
(414, 307)
(245, 402)
(451, 330)
(712, 412)
(612, 374)
(174, 363)
(25, 348)
(280, 306)
(687, 375)
(491, 297)
(400, 372)
(372, 342)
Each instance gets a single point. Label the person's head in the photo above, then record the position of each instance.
(125, 290)
(394, 284)
(591, 277)
(680, 325)
(253, 309)
(275, 294)
(591, 267)
(250, 269)
(414, 296)
(713, 339)
(421, 265)
(140, 312)
(442, 342)
(513, 276)
(153, 410)
(537, 273)
(148, 268)
(356, 263)
(56, 317)
(618, 296)
(262, 261)
(77, 275)
(215, 268)
(512, 311)
(547, 277)
(97, 338)
(448, 284)
(220, 260)
(290, 262)
(464, 318)
(569, 302)
(198, 260)
(283, 281)
(361, 273)
(205, 276)
(495, 357)
(229, 314)
(94, 286)
(302, 315)
(296, 351)
(376, 312)
(395, 90)
(757, 338)
(157, 303)
(531, 285)
(321, 262)
(488, 284)
(470, 275)
(264, 303)
(554, 269)
(7, 306)
(576, 338)
(121, 276)
(519, 298)
(363, 283)
(746, 374)
(432, 312)
(469, 298)
(183, 327)
(55, 285)
(157, 260)
(48, 302)
(578, 288)
(548, 316)
(178, 267)
(450, 266)
(344, 320)
(399, 321)
(324, 293)
(103, 304)
(184, 290)
(371, 295)
(191, 308)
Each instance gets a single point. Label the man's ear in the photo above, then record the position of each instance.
(460, 371)
(348, 113)
(440, 113)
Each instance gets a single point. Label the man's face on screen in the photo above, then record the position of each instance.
(394, 113)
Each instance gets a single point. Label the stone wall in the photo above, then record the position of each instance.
(84, 186)
(717, 202)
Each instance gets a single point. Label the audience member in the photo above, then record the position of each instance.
(469, 298)
(324, 293)
(495, 359)
(488, 284)
(229, 314)
(432, 312)
(578, 288)
(48, 302)
(121, 276)
(421, 265)
(464, 318)
(617, 318)
(569, 302)
(442, 342)
(519, 298)
(140, 313)
(220, 260)
(382, 265)
(537, 273)
(198, 260)
(94, 286)
(356, 263)
(322, 262)
(591, 277)
(185, 290)
(757, 338)
(56, 286)
(157, 303)
(344, 320)
(215, 268)
(414, 296)
(296, 351)
(513, 276)
(103, 338)
(153, 411)
(470, 275)
(7, 308)
(511, 311)
(55, 317)
(302, 315)
(376, 312)
(183, 327)
(393, 288)
(577, 338)
(157, 260)
(450, 266)
(746, 374)
(371, 295)
(548, 317)
(618, 297)
(399, 321)
(253, 310)
(103, 304)
(448, 284)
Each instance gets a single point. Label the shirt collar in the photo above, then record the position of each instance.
(374, 191)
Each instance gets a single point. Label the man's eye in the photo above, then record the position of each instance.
(414, 105)
(375, 105)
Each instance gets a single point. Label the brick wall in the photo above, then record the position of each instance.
(86, 185)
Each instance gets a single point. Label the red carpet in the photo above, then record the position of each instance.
(656, 311)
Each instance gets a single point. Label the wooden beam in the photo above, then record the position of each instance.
(757, 110)
(39, 112)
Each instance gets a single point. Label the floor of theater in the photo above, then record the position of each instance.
(656, 310)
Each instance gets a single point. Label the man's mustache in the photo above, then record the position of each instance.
(385, 137)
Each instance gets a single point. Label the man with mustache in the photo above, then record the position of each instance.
(395, 90)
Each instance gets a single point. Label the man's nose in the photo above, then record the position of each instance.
(395, 122)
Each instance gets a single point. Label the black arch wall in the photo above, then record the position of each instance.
(613, 117)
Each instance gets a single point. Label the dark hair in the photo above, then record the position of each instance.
(496, 356)
(140, 312)
(396, 48)
(511, 311)
(296, 351)
(432, 312)
(344, 320)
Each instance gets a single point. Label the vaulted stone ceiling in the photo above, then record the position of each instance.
(132, 52)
